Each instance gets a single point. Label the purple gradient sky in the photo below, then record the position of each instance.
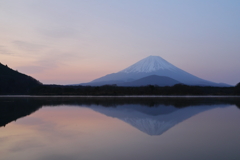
(75, 41)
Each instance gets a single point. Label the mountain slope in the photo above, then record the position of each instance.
(154, 65)
(149, 64)
(13, 82)
(151, 80)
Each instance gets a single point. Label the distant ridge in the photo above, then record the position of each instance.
(153, 65)
(151, 80)
(13, 82)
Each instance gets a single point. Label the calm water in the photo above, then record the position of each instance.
(119, 128)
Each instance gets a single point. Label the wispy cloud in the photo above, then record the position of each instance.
(28, 46)
(4, 50)
(59, 32)
(48, 61)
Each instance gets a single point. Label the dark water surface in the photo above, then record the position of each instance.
(130, 128)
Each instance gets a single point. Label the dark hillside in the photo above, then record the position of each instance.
(13, 82)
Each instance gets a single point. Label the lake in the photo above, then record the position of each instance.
(124, 128)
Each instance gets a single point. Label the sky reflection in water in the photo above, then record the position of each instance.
(125, 131)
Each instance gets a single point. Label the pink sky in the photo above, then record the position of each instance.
(71, 42)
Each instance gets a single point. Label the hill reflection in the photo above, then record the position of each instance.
(152, 116)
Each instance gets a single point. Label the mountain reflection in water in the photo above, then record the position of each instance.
(153, 120)
(152, 116)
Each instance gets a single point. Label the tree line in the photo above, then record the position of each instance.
(113, 90)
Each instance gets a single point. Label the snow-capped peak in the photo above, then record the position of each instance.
(149, 64)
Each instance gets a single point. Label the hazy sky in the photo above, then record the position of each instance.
(74, 41)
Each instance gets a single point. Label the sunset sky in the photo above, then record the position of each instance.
(75, 41)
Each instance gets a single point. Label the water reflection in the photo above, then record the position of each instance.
(153, 120)
(152, 116)
(119, 128)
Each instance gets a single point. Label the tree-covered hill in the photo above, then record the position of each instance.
(13, 82)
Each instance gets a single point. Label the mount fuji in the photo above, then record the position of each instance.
(152, 65)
